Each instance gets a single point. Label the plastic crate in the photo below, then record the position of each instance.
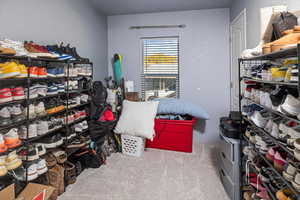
(174, 135)
(132, 145)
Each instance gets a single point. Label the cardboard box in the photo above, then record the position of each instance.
(8, 193)
(33, 189)
(30, 192)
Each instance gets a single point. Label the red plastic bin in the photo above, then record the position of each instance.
(174, 135)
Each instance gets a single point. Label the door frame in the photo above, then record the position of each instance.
(244, 15)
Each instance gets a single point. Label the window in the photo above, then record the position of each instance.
(160, 76)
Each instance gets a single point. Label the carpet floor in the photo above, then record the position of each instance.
(157, 175)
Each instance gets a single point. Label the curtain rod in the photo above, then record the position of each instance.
(160, 26)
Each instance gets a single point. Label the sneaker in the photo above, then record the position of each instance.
(12, 161)
(52, 89)
(18, 93)
(41, 149)
(23, 71)
(33, 72)
(32, 113)
(32, 172)
(42, 72)
(78, 128)
(3, 170)
(42, 127)
(52, 72)
(52, 141)
(291, 105)
(5, 116)
(61, 87)
(60, 72)
(41, 166)
(85, 125)
(17, 113)
(5, 95)
(9, 70)
(84, 98)
(277, 96)
(40, 109)
(259, 119)
(33, 130)
(41, 89)
(3, 147)
(11, 138)
(33, 92)
(278, 74)
(51, 106)
(29, 154)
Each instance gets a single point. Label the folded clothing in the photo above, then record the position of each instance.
(174, 117)
(181, 107)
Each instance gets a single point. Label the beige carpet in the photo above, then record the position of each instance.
(157, 175)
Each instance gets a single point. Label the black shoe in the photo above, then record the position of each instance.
(52, 141)
(29, 154)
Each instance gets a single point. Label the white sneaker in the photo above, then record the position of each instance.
(33, 92)
(42, 127)
(291, 105)
(258, 119)
(85, 125)
(275, 131)
(40, 109)
(269, 126)
(5, 116)
(23, 132)
(41, 89)
(268, 102)
(32, 129)
(41, 166)
(16, 113)
(41, 149)
(32, 172)
(78, 128)
(84, 98)
(32, 113)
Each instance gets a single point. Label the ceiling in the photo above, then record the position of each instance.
(118, 7)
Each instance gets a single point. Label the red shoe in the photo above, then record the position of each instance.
(33, 72)
(5, 95)
(42, 72)
(18, 93)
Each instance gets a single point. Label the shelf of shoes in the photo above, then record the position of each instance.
(246, 67)
(288, 184)
(264, 184)
(273, 111)
(286, 53)
(270, 82)
(26, 82)
(262, 131)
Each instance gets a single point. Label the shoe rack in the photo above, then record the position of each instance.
(26, 83)
(246, 163)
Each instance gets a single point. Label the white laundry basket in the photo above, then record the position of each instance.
(132, 145)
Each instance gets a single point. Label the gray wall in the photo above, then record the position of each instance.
(204, 56)
(49, 22)
(253, 15)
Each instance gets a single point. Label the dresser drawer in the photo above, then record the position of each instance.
(232, 189)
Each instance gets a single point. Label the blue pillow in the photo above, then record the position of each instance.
(181, 107)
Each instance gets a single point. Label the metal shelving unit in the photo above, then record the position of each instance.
(283, 54)
(26, 82)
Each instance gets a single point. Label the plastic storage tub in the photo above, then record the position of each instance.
(132, 145)
(174, 135)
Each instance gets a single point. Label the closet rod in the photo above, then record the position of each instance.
(160, 26)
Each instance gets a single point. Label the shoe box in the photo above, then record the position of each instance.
(32, 191)
(228, 163)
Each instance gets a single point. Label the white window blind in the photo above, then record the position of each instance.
(160, 76)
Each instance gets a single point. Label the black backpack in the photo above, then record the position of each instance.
(284, 21)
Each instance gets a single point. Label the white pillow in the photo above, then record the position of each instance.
(137, 119)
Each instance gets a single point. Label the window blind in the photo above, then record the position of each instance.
(160, 74)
